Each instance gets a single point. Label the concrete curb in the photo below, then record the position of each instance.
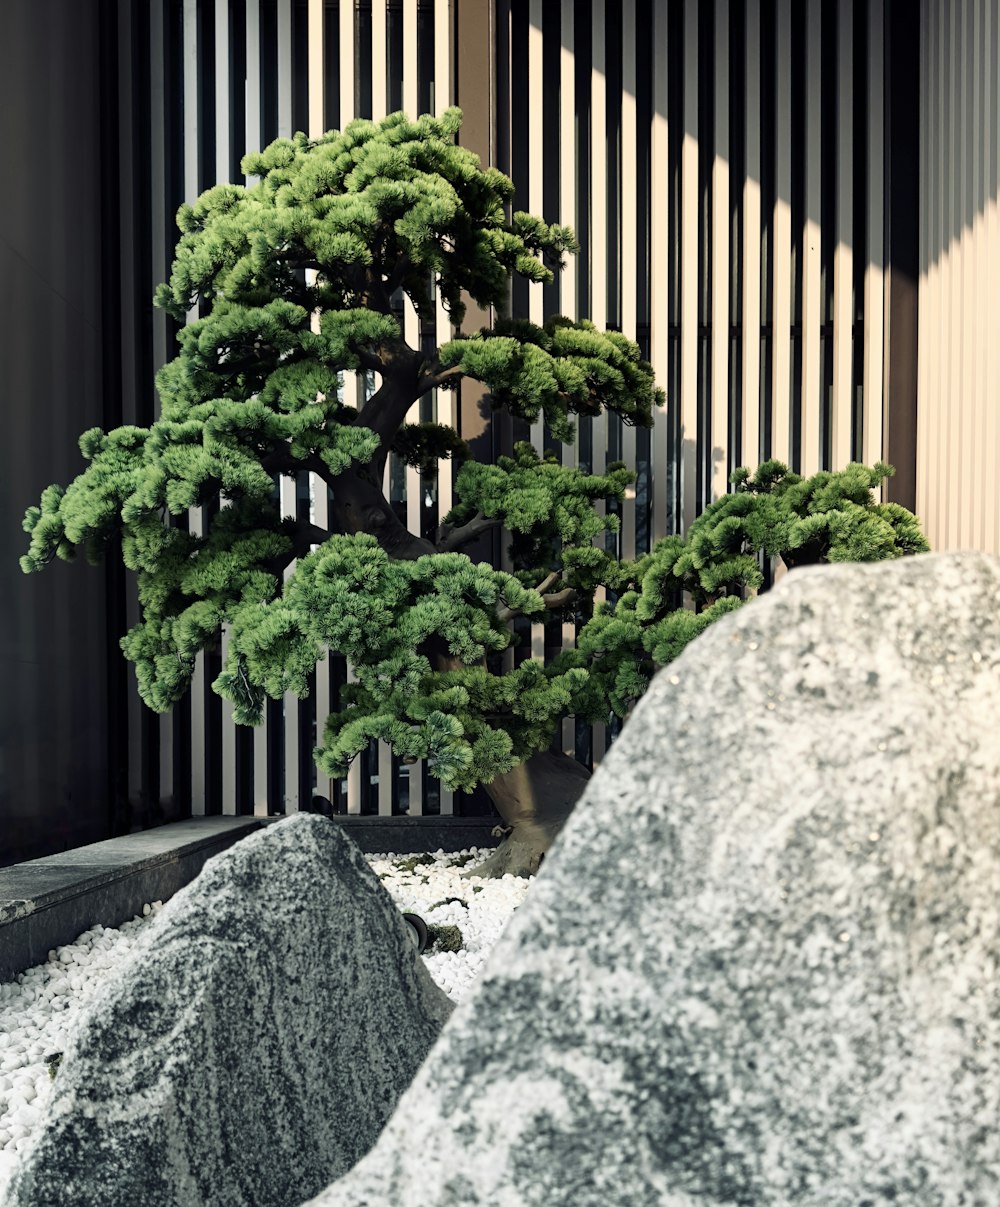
(45, 903)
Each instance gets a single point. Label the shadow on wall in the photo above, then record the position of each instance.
(958, 444)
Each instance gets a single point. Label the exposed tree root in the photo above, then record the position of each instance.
(534, 800)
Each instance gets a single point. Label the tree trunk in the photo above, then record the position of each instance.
(534, 800)
(358, 505)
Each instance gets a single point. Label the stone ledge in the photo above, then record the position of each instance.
(48, 902)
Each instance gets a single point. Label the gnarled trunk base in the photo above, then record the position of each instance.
(534, 800)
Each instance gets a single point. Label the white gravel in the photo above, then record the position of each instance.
(40, 1006)
(439, 893)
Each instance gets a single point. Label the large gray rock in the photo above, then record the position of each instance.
(760, 965)
(253, 1046)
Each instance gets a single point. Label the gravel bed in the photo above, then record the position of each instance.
(39, 1007)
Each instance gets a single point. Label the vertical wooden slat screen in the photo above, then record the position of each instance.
(345, 63)
(278, 61)
(158, 228)
(629, 253)
(252, 119)
(351, 390)
(990, 255)
(445, 399)
(963, 348)
(720, 258)
(930, 266)
(992, 275)
(223, 162)
(766, 199)
(689, 268)
(843, 308)
(659, 252)
(811, 310)
(199, 804)
(951, 361)
(160, 219)
(502, 429)
(568, 300)
(318, 491)
(411, 332)
(958, 458)
(966, 376)
(974, 294)
(751, 425)
(380, 26)
(254, 142)
(923, 257)
(287, 487)
(874, 342)
(781, 234)
(285, 69)
(943, 170)
(598, 250)
(536, 205)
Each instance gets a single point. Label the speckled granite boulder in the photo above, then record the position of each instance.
(253, 1046)
(760, 966)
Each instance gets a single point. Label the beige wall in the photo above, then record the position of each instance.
(958, 433)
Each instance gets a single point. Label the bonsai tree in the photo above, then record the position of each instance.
(300, 278)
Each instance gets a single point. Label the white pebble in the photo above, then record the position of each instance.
(26, 1116)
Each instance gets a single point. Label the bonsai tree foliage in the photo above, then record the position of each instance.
(300, 278)
(830, 517)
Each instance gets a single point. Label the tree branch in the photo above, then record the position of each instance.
(281, 461)
(398, 274)
(433, 380)
(558, 599)
(385, 412)
(368, 360)
(312, 534)
(375, 296)
(450, 538)
(303, 539)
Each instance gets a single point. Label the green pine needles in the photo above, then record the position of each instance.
(301, 277)
(830, 517)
